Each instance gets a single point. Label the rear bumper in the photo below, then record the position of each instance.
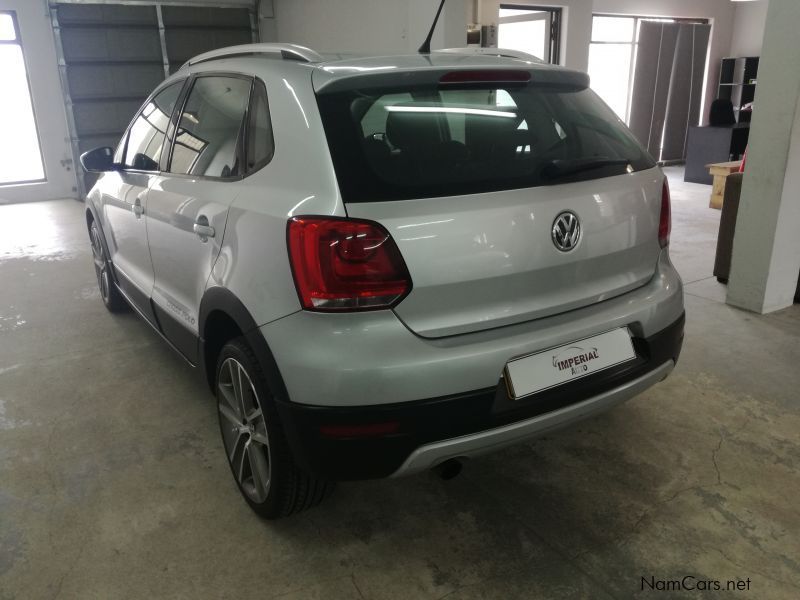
(372, 358)
(430, 455)
(428, 432)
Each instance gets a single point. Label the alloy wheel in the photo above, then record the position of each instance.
(244, 430)
(100, 263)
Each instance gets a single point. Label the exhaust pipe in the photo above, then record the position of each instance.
(449, 469)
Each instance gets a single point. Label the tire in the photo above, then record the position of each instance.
(109, 293)
(254, 442)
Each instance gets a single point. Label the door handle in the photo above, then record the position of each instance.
(137, 207)
(203, 229)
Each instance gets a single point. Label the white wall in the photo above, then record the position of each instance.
(748, 28)
(364, 26)
(766, 247)
(577, 26)
(388, 26)
(38, 47)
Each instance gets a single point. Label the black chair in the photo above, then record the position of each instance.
(721, 113)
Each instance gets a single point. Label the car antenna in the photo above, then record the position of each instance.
(426, 45)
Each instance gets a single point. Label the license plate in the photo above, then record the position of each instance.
(534, 373)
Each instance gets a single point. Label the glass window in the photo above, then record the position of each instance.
(146, 135)
(610, 72)
(7, 32)
(260, 143)
(20, 153)
(612, 59)
(210, 128)
(374, 120)
(534, 30)
(612, 29)
(445, 142)
(514, 12)
(532, 37)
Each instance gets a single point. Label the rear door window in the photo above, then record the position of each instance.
(434, 141)
(208, 141)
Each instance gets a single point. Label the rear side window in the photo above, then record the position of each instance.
(260, 142)
(435, 141)
(146, 136)
(211, 127)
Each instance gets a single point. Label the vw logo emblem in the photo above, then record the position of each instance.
(566, 231)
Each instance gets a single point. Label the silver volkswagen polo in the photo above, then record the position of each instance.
(383, 265)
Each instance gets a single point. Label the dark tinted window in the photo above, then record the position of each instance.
(424, 142)
(146, 135)
(210, 130)
(260, 143)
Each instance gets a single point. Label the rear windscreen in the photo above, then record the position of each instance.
(439, 141)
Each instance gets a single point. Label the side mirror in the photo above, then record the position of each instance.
(98, 160)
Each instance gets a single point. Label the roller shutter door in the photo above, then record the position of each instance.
(112, 55)
(190, 31)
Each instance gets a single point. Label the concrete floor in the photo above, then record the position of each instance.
(113, 484)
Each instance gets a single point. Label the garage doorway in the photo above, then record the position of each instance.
(20, 152)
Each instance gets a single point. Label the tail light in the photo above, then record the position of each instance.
(665, 222)
(345, 264)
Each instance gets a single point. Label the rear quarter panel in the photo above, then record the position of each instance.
(253, 263)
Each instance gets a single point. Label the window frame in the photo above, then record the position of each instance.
(172, 127)
(172, 130)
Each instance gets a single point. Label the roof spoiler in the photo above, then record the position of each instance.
(501, 52)
(329, 79)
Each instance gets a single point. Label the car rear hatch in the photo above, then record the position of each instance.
(511, 190)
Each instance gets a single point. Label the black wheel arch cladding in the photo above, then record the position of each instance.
(219, 299)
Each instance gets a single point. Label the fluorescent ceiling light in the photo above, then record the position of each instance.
(452, 109)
